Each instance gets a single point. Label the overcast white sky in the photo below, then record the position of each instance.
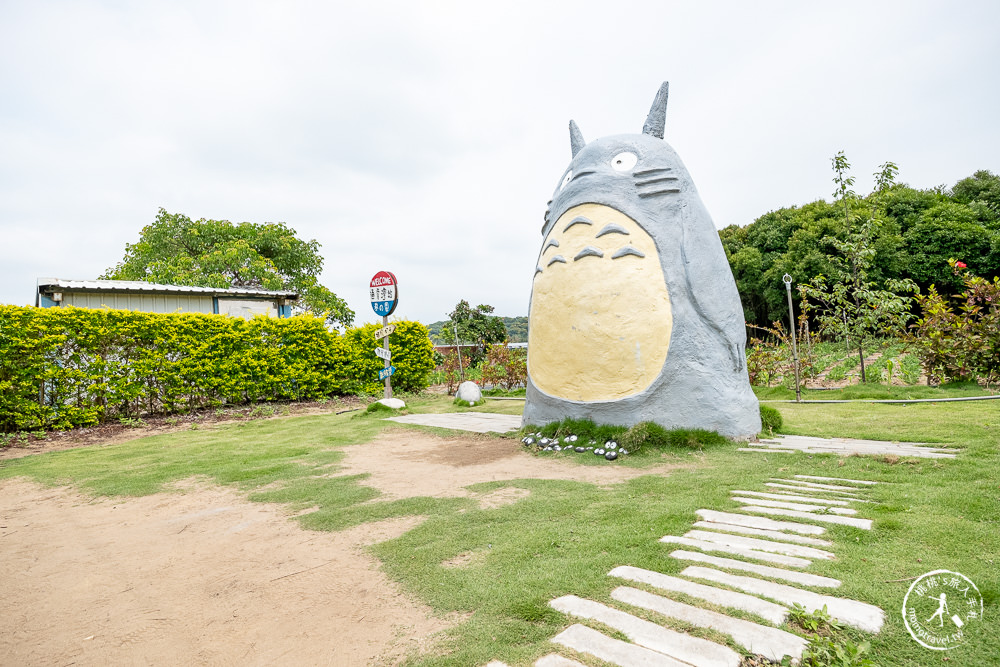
(424, 138)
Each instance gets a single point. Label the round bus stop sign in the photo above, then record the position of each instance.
(384, 293)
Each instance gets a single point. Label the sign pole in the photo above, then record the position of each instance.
(385, 346)
(384, 293)
(787, 279)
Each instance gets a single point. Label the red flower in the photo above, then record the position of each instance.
(960, 265)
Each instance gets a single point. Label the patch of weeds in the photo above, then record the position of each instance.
(11, 439)
(262, 411)
(467, 404)
(770, 420)
(132, 422)
(642, 436)
(172, 421)
(829, 652)
(827, 647)
(376, 408)
(818, 622)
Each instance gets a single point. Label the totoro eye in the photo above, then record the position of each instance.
(566, 179)
(624, 161)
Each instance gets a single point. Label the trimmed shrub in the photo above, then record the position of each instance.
(770, 420)
(412, 355)
(67, 367)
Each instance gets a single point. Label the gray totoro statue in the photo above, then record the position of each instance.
(634, 312)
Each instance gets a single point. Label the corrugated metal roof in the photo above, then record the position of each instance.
(57, 284)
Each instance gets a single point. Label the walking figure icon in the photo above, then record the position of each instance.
(941, 611)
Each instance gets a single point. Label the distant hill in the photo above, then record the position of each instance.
(517, 329)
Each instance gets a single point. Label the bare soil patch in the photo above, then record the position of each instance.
(202, 576)
(404, 463)
(196, 578)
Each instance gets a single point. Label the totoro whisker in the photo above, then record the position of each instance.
(667, 191)
(589, 251)
(627, 250)
(557, 258)
(611, 228)
(578, 220)
(657, 179)
(648, 172)
(582, 173)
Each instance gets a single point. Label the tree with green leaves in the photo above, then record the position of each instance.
(175, 250)
(474, 326)
(849, 305)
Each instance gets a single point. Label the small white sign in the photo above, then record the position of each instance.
(384, 331)
(383, 353)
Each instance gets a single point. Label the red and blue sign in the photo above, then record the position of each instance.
(384, 293)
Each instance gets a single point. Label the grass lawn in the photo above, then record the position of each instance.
(565, 536)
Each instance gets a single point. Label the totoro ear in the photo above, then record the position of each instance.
(656, 121)
(576, 141)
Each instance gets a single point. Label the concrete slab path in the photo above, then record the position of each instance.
(769, 642)
(757, 532)
(769, 611)
(730, 518)
(793, 576)
(582, 639)
(857, 614)
(757, 544)
(478, 422)
(683, 647)
(763, 502)
(778, 559)
(864, 524)
(847, 446)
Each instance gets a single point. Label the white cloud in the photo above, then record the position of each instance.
(425, 138)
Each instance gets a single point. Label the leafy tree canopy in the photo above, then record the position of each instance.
(917, 231)
(476, 326)
(217, 253)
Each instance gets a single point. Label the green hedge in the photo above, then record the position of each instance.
(66, 367)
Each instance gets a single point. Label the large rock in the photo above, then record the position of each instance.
(634, 311)
(469, 391)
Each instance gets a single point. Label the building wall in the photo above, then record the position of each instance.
(146, 303)
(247, 308)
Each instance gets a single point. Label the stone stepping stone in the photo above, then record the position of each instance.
(582, 639)
(803, 578)
(848, 498)
(757, 544)
(790, 561)
(836, 479)
(800, 489)
(860, 615)
(732, 519)
(817, 485)
(678, 645)
(769, 611)
(793, 497)
(769, 642)
(864, 524)
(556, 660)
(794, 506)
(758, 532)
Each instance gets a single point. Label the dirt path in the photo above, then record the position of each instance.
(204, 577)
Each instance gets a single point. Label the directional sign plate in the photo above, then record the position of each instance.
(384, 293)
(383, 353)
(386, 372)
(384, 331)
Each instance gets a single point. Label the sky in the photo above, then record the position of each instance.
(424, 138)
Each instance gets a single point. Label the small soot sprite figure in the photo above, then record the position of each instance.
(634, 312)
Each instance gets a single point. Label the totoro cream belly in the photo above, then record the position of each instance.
(600, 318)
